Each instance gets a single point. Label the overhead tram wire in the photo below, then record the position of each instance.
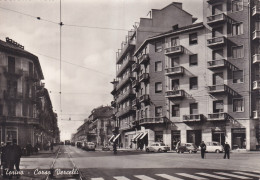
(60, 57)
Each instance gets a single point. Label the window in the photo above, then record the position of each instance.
(175, 84)
(158, 66)
(194, 83)
(194, 60)
(158, 111)
(238, 52)
(158, 46)
(1, 109)
(217, 9)
(175, 61)
(237, 29)
(158, 87)
(193, 38)
(238, 105)
(218, 106)
(11, 133)
(176, 110)
(175, 42)
(238, 76)
(194, 108)
(237, 5)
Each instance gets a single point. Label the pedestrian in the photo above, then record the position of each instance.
(115, 148)
(5, 159)
(14, 156)
(177, 146)
(203, 148)
(227, 150)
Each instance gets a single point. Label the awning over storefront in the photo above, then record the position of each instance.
(137, 137)
(116, 138)
(144, 134)
(111, 138)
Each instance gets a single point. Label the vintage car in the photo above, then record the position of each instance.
(157, 147)
(187, 147)
(88, 146)
(214, 147)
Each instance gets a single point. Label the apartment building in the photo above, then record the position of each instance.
(199, 81)
(20, 97)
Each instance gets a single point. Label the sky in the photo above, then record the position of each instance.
(92, 33)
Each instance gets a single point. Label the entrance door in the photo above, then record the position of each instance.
(219, 136)
(176, 136)
(194, 136)
(175, 84)
(239, 138)
(218, 79)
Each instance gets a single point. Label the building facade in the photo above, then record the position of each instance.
(197, 81)
(20, 82)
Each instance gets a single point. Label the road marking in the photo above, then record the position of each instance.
(213, 176)
(166, 176)
(232, 175)
(256, 171)
(121, 178)
(143, 177)
(97, 179)
(247, 174)
(191, 176)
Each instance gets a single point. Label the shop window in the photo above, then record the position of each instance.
(158, 46)
(237, 29)
(158, 136)
(238, 138)
(193, 60)
(238, 76)
(176, 110)
(11, 133)
(193, 38)
(237, 52)
(158, 111)
(194, 83)
(238, 105)
(237, 5)
(158, 87)
(158, 66)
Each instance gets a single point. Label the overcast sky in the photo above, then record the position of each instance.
(86, 84)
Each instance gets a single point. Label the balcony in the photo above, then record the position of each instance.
(221, 89)
(216, 42)
(215, 1)
(10, 95)
(155, 120)
(216, 19)
(256, 10)
(144, 59)
(256, 85)
(135, 83)
(134, 103)
(144, 98)
(217, 64)
(256, 114)
(13, 74)
(218, 116)
(127, 110)
(31, 77)
(135, 67)
(174, 50)
(125, 80)
(193, 118)
(175, 94)
(113, 104)
(124, 66)
(128, 94)
(256, 58)
(126, 47)
(174, 71)
(256, 34)
(144, 77)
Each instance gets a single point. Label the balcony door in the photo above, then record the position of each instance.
(217, 54)
(11, 65)
(218, 79)
(194, 108)
(217, 32)
(175, 41)
(175, 84)
(217, 9)
(175, 62)
(218, 106)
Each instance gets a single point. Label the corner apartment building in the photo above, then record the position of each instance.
(20, 82)
(200, 81)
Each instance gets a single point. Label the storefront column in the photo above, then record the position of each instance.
(251, 135)
(167, 137)
(183, 136)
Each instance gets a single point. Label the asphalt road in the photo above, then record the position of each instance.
(99, 165)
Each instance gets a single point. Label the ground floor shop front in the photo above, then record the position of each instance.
(240, 134)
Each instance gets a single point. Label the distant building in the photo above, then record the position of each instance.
(20, 101)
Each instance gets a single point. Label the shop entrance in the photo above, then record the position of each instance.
(194, 136)
(219, 136)
(176, 136)
(239, 138)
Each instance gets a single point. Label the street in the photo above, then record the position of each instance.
(98, 165)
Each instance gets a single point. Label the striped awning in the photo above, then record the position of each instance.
(144, 134)
(110, 139)
(137, 136)
(116, 138)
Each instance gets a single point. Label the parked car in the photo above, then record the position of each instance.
(157, 147)
(78, 144)
(187, 147)
(214, 147)
(88, 146)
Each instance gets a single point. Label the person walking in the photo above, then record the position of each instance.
(5, 158)
(227, 150)
(14, 156)
(203, 148)
(177, 146)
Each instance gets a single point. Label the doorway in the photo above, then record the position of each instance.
(194, 136)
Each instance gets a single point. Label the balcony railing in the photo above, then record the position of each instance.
(144, 98)
(175, 94)
(135, 67)
(256, 34)
(125, 80)
(256, 85)
(129, 93)
(174, 71)
(9, 95)
(124, 66)
(256, 58)
(193, 118)
(216, 64)
(216, 19)
(154, 120)
(144, 59)
(144, 77)
(221, 89)
(216, 42)
(256, 10)
(127, 46)
(174, 50)
(13, 74)
(135, 83)
(256, 114)
(128, 109)
(218, 116)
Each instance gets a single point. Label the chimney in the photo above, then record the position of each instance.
(175, 27)
(179, 5)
